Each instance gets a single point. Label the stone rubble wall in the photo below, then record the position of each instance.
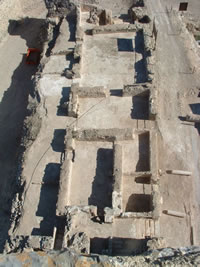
(114, 28)
(65, 174)
(185, 256)
(111, 135)
(74, 240)
(63, 7)
(145, 89)
(77, 92)
(117, 188)
(107, 135)
(21, 243)
(89, 92)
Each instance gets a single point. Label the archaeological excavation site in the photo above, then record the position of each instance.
(99, 133)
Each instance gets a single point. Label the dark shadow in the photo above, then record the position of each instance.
(48, 200)
(58, 142)
(140, 72)
(72, 27)
(145, 19)
(116, 92)
(145, 179)
(98, 219)
(56, 32)
(70, 57)
(138, 3)
(199, 94)
(182, 118)
(140, 108)
(118, 246)
(125, 17)
(102, 18)
(101, 195)
(88, 32)
(139, 42)
(28, 29)
(183, 6)
(13, 110)
(195, 108)
(140, 68)
(128, 246)
(60, 230)
(99, 246)
(125, 45)
(197, 126)
(72, 61)
(139, 203)
(62, 108)
(143, 163)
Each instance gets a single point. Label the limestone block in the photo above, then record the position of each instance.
(73, 105)
(133, 90)
(114, 28)
(65, 177)
(139, 14)
(87, 92)
(117, 203)
(136, 215)
(175, 213)
(153, 107)
(94, 17)
(180, 172)
(104, 134)
(76, 69)
(109, 215)
(118, 167)
(78, 51)
(156, 201)
(105, 17)
(79, 34)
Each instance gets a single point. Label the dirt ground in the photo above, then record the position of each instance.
(180, 141)
(15, 87)
(97, 183)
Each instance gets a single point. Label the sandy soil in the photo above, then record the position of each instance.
(180, 141)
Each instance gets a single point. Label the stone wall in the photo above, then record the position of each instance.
(185, 256)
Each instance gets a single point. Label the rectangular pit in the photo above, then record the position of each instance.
(111, 112)
(118, 246)
(137, 153)
(91, 179)
(136, 196)
(115, 62)
(140, 109)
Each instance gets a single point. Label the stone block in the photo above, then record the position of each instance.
(108, 215)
